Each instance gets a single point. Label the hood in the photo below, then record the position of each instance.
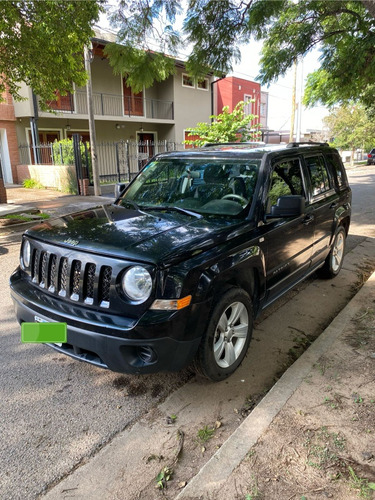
(155, 237)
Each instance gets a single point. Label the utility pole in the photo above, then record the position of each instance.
(292, 116)
(94, 165)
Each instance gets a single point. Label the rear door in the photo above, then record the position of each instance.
(324, 201)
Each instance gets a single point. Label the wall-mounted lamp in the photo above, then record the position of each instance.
(67, 126)
(141, 128)
(117, 126)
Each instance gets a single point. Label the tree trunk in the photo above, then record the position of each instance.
(370, 6)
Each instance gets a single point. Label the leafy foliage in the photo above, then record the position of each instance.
(141, 67)
(351, 128)
(344, 30)
(42, 44)
(225, 127)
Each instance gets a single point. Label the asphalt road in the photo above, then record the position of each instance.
(56, 412)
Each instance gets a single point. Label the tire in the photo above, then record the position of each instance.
(228, 335)
(333, 263)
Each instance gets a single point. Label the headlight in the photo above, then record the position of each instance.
(26, 252)
(137, 283)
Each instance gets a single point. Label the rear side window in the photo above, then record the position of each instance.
(318, 174)
(338, 170)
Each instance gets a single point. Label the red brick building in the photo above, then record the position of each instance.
(232, 90)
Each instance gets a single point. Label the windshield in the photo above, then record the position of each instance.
(214, 186)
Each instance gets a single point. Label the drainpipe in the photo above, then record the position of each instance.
(94, 163)
(212, 95)
(34, 129)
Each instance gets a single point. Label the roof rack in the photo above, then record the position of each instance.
(248, 143)
(308, 143)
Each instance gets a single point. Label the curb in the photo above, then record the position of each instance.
(221, 465)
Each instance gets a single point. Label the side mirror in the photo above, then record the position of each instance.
(288, 206)
(119, 188)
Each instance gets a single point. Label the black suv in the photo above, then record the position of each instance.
(193, 249)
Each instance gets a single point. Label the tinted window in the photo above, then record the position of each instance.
(318, 174)
(286, 179)
(338, 170)
(204, 185)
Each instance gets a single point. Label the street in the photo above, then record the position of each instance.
(57, 412)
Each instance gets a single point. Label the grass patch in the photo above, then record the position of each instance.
(32, 184)
(205, 434)
(364, 487)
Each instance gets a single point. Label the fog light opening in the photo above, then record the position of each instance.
(147, 355)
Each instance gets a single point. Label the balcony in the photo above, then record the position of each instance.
(113, 105)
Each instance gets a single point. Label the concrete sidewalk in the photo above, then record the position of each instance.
(54, 203)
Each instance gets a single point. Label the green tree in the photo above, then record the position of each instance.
(42, 44)
(225, 127)
(350, 128)
(343, 30)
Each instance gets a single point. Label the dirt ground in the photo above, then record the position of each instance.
(322, 444)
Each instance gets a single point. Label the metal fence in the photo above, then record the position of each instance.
(117, 161)
(121, 161)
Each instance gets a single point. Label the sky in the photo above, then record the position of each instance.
(280, 92)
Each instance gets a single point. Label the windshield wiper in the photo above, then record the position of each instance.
(176, 209)
(132, 203)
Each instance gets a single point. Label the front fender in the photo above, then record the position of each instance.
(245, 268)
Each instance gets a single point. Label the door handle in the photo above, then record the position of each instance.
(333, 205)
(306, 221)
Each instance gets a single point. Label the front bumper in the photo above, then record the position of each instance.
(129, 347)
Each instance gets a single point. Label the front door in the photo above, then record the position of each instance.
(133, 103)
(288, 240)
(146, 148)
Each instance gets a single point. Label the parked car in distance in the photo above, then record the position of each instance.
(371, 157)
(177, 268)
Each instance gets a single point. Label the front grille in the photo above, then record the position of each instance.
(80, 281)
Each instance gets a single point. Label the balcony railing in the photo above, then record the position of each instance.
(113, 105)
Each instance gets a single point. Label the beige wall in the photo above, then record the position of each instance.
(103, 79)
(191, 105)
(61, 177)
(24, 108)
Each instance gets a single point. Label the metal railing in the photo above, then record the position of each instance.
(113, 105)
(117, 161)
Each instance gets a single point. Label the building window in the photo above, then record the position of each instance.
(263, 109)
(248, 108)
(62, 102)
(202, 84)
(187, 81)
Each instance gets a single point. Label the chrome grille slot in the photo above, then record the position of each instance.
(34, 266)
(63, 276)
(52, 273)
(43, 269)
(105, 285)
(88, 283)
(75, 279)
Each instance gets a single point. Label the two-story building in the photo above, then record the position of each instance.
(159, 114)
